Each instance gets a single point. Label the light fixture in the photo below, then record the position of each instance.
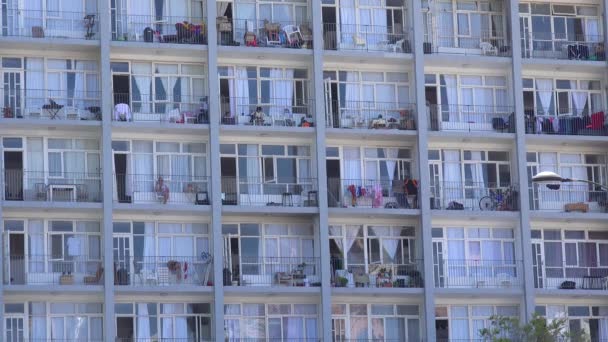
(552, 178)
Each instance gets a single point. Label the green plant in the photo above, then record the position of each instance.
(538, 329)
(341, 281)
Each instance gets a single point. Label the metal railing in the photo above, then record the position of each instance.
(182, 109)
(263, 33)
(49, 24)
(371, 115)
(163, 189)
(280, 191)
(366, 38)
(563, 46)
(163, 339)
(164, 29)
(471, 118)
(53, 270)
(571, 197)
(474, 196)
(20, 185)
(569, 277)
(163, 271)
(566, 121)
(405, 275)
(473, 273)
(272, 271)
(50, 104)
(371, 193)
(267, 112)
(485, 43)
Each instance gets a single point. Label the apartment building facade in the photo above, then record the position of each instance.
(335, 170)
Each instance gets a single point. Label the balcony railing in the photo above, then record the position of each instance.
(164, 29)
(478, 273)
(470, 118)
(182, 109)
(165, 189)
(263, 33)
(474, 196)
(20, 185)
(588, 275)
(405, 275)
(163, 271)
(563, 46)
(485, 43)
(572, 197)
(366, 38)
(371, 115)
(272, 271)
(566, 121)
(50, 104)
(49, 24)
(370, 193)
(281, 191)
(167, 339)
(53, 270)
(275, 112)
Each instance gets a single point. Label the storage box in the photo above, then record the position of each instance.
(580, 206)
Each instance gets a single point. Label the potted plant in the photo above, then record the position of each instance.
(341, 282)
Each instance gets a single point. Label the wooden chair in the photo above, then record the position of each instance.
(96, 278)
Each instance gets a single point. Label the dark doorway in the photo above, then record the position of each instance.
(124, 329)
(329, 28)
(13, 175)
(122, 89)
(120, 170)
(229, 186)
(335, 105)
(430, 95)
(333, 182)
(16, 246)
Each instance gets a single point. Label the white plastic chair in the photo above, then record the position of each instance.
(293, 34)
(71, 113)
(488, 49)
(396, 46)
(148, 277)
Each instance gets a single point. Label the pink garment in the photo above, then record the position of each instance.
(377, 200)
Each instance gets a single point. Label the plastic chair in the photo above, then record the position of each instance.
(488, 49)
(293, 34)
(396, 46)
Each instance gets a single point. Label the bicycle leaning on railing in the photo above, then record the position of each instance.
(498, 199)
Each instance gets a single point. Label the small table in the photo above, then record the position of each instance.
(62, 187)
(53, 110)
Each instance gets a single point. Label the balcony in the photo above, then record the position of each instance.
(178, 109)
(372, 115)
(263, 33)
(574, 197)
(474, 196)
(482, 43)
(281, 192)
(50, 104)
(41, 186)
(557, 275)
(163, 271)
(377, 275)
(475, 273)
(272, 271)
(159, 29)
(276, 112)
(369, 193)
(53, 270)
(563, 46)
(155, 189)
(49, 24)
(471, 118)
(366, 38)
(566, 121)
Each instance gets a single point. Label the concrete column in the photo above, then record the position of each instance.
(2, 261)
(423, 161)
(216, 177)
(107, 176)
(322, 222)
(527, 307)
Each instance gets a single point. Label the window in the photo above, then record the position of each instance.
(67, 320)
(554, 25)
(554, 97)
(463, 322)
(387, 322)
(581, 318)
(75, 159)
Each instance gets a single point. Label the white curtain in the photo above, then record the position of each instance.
(348, 16)
(548, 199)
(33, 17)
(57, 332)
(391, 162)
(452, 95)
(294, 328)
(352, 165)
(351, 89)
(34, 82)
(143, 322)
(143, 166)
(231, 94)
(254, 177)
(351, 235)
(36, 245)
(149, 248)
(79, 88)
(35, 160)
(445, 31)
(143, 84)
(452, 178)
(242, 92)
(38, 313)
(179, 330)
(142, 10)
(281, 91)
(592, 30)
(390, 246)
(579, 98)
(477, 176)
(544, 88)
